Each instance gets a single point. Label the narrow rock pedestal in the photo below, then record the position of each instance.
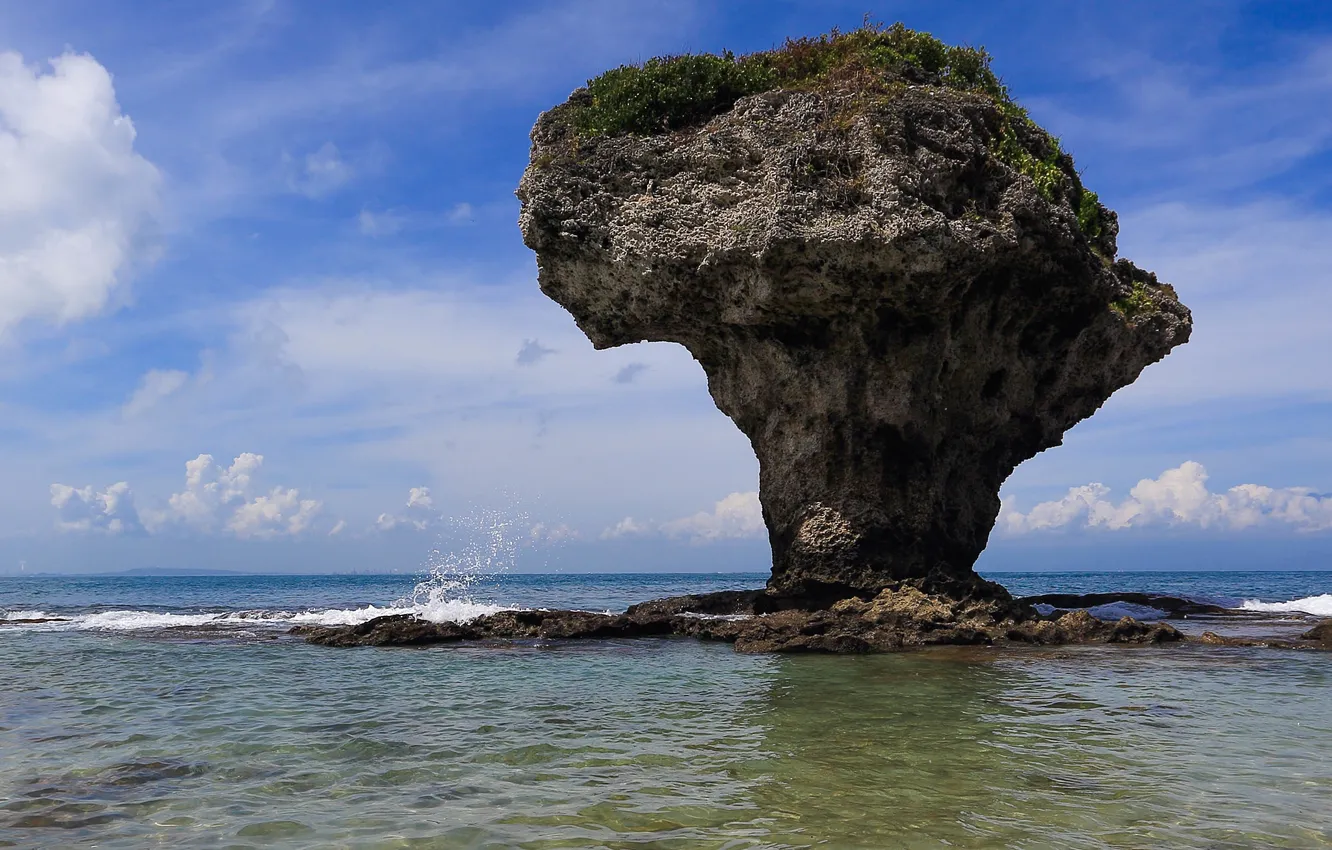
(893, 335)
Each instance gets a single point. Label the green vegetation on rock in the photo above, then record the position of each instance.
(674, 92)
(1136, 303)
(1089, 215)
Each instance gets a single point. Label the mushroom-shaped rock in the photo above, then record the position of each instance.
(894, 280)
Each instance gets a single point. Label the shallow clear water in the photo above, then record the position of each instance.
(147, 736)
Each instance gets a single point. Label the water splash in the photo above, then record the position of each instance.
(483, 545)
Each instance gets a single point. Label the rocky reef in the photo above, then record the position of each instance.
(899, 617)
(895, 281)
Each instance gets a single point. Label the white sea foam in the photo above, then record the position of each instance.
(487, 545)
(725, 618)
(438, 611)
(1319, 606)
(25, 615)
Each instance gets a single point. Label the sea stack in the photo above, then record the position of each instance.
(895, 281)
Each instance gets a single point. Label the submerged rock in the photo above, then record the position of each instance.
(895, 282)
(1170, 606)
(1321, 633)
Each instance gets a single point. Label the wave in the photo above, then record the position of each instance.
(435, 610)
(26, 615)
(1319, 606)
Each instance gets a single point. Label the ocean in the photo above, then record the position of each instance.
(177, 712)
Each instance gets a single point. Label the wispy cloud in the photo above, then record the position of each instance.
(1173, 125)
(629, 372)
(155, 386)
(516, 56)
(1255, 276)
(376, 224)
(532, 352)
(321, 172)
(462, 213)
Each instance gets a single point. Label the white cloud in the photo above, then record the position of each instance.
(323, 172)
(83, 509)
(627, 527)
(420, 513)
(155, 385)
(281, 511)
(415, 385)
(736, 516)
(452, 337)
(77, 201)
(215, 499)
(1179, 497)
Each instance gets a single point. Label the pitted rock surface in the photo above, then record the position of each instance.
(894, 316)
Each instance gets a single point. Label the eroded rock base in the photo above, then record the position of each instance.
(906, 616)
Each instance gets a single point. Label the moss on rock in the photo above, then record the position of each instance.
(672, 93)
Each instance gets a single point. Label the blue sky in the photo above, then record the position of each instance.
(282, 234)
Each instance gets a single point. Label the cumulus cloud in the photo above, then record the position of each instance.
(228, 498)
(78, 201)
(281, 511)
(737, 516)
(420, 513)
(216, 499)
(83, 509)
(155, 385)
(1178, 497)
(627, 527)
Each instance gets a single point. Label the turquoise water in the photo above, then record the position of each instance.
(127, 728)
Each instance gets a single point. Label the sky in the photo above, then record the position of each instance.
(264, 304)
